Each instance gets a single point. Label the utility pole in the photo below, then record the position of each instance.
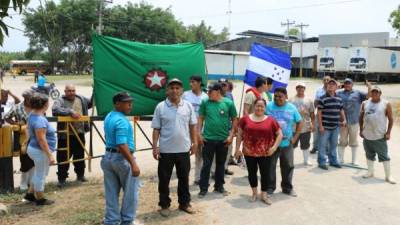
(101, 6)
(229, 12)
(288, 23)
(301, 25)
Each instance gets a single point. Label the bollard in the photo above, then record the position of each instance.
(6, 160)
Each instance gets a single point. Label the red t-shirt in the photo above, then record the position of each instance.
(258, 137)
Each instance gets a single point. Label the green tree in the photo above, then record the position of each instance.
(394, 20)
(16, 5)
(205, 34)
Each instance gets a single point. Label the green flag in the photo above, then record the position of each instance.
(142, 70)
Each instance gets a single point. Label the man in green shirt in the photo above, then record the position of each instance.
(217, 113)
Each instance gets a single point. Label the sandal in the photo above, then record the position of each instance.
(266, 200)
(253, 198)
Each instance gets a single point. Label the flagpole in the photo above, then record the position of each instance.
(241, 100)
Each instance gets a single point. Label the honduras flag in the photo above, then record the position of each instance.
(268, 62)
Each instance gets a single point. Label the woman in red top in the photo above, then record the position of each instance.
(261, 136)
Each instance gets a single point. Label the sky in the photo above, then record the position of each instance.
(322, 16)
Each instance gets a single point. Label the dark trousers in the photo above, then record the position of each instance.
(285, 155)
(220, 151)
(166, 164)
(255, 163)
(76, 151)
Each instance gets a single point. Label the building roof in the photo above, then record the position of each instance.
(267, 35)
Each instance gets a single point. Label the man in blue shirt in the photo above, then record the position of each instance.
(352, 100)
(287, 115)
(119, 165)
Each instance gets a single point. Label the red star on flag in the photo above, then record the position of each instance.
(155, 79)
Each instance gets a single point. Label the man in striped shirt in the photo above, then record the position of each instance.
(330, 116)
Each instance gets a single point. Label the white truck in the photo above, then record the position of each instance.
(226, 64)
(332, 61)
(374, 64)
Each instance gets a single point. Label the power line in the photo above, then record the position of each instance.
(277, 9)
(301, 25)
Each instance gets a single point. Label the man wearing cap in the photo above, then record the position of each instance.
(174, 129)
(320, 92)
(254, 93)
(18, 115)
(352, 100)
(195, 96)
(306, 108)
(376, 122)
(75, 106)
(330, 116)
(119, 166)
(220, 123)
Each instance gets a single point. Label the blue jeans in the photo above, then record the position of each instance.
(41, 168)
(327, 145)
(117, 175)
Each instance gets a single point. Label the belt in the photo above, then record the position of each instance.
(112, 150)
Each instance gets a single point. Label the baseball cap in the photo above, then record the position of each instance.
(174, 81)
(122, 97)
(300, 84)
(348, 80)
(197, 78)
(214, 87)
(376, 88)
(223, 81)
(332, 80)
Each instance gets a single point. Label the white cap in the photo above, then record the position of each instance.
(301, 84)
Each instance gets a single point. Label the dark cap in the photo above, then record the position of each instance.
(122, 97)
(223, 81)
(175, 81)
(348, 80)
(214, 87)
(197, 78)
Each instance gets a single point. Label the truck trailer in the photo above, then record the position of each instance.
(332, 61)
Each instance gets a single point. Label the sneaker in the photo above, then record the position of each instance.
(61, 183)
(221, 191)
(336, 165)
(165, 212)
(187, 209)
(202, 194)
(324, 167)
(44, 201)
(228, 172)
(81, 179)
(291, 193)
(30, 197)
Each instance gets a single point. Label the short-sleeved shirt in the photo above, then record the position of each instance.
(194, 99)
(173, 122)
(217, 118)
(258, 137)
(286, 116)
(330, 107)
(320, 92)
(7, 107)
(118, 131)
(41, 81)
(250, 98)
(352, 104)
(40, 122)
(18, 113)
(230, 96)
(305, 106)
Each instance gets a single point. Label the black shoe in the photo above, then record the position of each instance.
(336, 165)
(313, 151)
(228, 172)
(44, 201)
(81, 179)
(202, 194)
(221, 191)
(61, 183)
(30, 197)
(324, 167)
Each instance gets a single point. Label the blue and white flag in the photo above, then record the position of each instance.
(268, 62)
